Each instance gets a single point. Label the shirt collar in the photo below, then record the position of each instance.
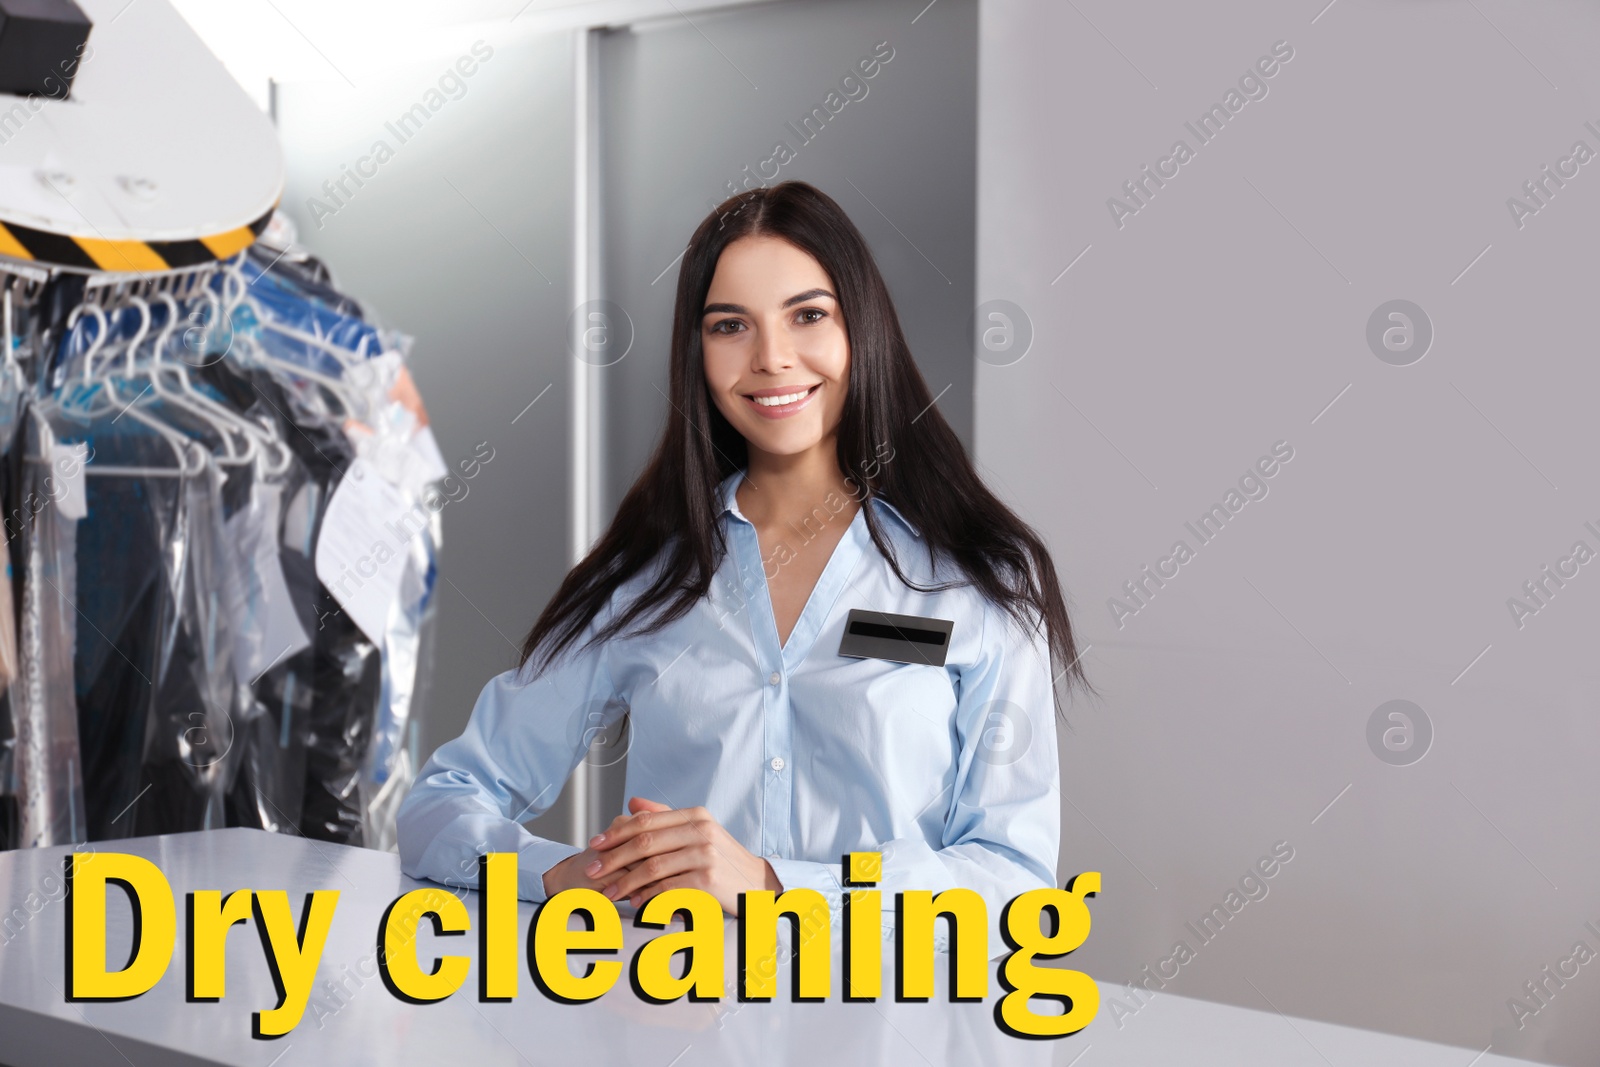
(731, 504)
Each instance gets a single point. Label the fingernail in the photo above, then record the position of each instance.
(592, 869)
(634, 901)
(596, 839)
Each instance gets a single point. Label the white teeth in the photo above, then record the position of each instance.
(779, 401)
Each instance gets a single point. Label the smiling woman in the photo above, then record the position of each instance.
(762, 748)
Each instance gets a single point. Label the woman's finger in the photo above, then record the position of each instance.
(641, 848)
(653, 870)
(640, 896)
(643, 822)
(638, 804)
(599, 884)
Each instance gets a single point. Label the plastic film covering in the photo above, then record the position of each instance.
(407, 655)
(323, 701)
(47, 769)
(12, 387)
(171, 659)
(275, 697)
(154, 663)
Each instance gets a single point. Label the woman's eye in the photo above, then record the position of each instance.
(818, 312)
(718, 327)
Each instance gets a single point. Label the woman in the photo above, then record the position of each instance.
(804, 472)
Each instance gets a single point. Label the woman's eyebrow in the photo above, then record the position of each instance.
(740, 309)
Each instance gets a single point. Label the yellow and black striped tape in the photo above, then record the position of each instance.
(96, 253)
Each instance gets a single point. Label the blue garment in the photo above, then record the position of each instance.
(800, 753)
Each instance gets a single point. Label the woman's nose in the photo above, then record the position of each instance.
(773, 352)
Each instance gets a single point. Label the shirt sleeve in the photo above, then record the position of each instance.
(1002, 833)
(526, 734)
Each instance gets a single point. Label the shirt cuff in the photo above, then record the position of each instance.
(533, 860)
(808, 874)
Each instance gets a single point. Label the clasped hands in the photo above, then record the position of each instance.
(655, 848)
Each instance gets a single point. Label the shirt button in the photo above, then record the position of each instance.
(774, 678)
(777, 763)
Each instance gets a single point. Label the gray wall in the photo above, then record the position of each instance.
(1227, 314)
(463, 240)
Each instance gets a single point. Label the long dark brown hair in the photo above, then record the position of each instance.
(673, 506)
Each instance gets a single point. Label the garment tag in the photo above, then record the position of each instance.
(66, 474)
(433, 467)
(361, 549)
(902, 638)
(406, 456)
(268, 630)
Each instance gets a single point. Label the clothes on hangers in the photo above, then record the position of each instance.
(178, 648)
(328, 695)
(389, 442)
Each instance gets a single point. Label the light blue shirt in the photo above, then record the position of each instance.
(802, 754)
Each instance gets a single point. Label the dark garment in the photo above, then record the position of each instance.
(189, 741)
(331, 690)
(126, 607)
(153, 666)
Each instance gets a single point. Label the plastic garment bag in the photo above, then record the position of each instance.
(47, 770)
(188, 623)
(153, 647)
(12, 386)
(154, 664)
(385, 770)
(160, 616)
(407, 656)
(388, 445)
(274, 697)
(179, 664)
(294, 310)
(190, 735)
(324, 700)
(130, 549)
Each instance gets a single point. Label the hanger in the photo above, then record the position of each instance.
(262, 444)
(212, 415)
(191, 458)
(346, 403)
(94, 310)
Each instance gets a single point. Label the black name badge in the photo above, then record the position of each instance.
(902, 638)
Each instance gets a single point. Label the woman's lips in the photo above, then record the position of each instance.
(780, 411)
